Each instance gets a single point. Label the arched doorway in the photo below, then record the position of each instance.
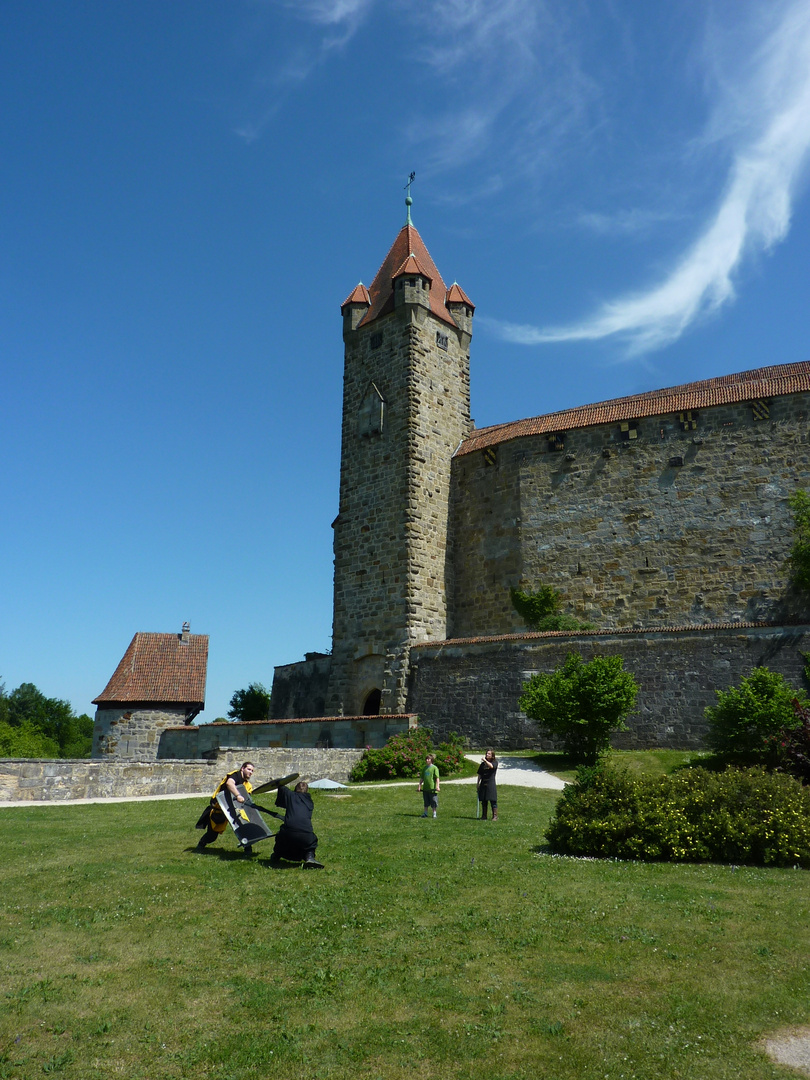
(371, 706)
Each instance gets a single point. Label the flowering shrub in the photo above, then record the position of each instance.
(740, 816)
(795, 745)
(747, 724)
(404, 755)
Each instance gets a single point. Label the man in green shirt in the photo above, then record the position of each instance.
(429, 786)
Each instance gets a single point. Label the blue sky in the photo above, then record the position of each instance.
(190, 190)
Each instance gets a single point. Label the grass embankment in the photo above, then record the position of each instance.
(443, 948)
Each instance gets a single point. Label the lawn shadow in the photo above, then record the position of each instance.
(223, 854)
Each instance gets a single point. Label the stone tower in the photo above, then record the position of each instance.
(406, 407)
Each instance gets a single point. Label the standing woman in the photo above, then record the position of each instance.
(487, 789)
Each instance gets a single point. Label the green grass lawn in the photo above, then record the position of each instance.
(445, 948)
(641, 762)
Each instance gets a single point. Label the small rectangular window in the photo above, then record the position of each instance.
(376, 341)
(441, 340)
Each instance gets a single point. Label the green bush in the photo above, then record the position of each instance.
(26, 741)
(746, 725)
(738, 816)
(33, 726)
(404, 756)
(581, 704)
(540, 610)
(799, 558)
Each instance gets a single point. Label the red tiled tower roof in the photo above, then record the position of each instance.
(165, 669)
(408, 242)
(727, 390)
(456, 295)
(411, 266)
(358, 295)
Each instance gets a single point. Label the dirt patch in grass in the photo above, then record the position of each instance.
(790, 1047)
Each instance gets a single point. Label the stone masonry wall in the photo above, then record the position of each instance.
(391, 531)
(132, 733)
(58, 780)
(675, 527)
(472, 687)
(301, 689)
(347, 732)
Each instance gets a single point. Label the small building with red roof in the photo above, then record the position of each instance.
(159, 683)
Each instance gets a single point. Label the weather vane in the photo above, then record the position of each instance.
(408, 199)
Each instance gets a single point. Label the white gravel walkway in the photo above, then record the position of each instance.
(519, 772)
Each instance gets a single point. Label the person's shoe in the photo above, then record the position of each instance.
(423, 815)
(434, 813)
(311, 863)
(274, 859)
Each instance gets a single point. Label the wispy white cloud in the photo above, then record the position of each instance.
(763, 118)
(636, 221)
(514, 86)
(337, 22)
(343, 17)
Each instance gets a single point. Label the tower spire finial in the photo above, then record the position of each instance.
(408, 199)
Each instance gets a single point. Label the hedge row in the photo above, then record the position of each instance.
(743, 816)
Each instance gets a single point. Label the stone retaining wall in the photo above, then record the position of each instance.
(473, 686)
(55, 780)
(321, 733)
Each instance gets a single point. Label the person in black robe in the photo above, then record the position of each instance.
(295, 840)
(487, 788)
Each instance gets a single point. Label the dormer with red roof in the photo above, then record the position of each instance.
(412, 283)
(355, 307)
(460, 307)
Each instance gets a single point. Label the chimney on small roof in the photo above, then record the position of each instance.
(185, 633)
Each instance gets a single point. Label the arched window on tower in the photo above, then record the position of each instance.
(371, 418)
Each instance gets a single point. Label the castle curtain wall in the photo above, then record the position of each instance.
(472, 687)
(668, 527)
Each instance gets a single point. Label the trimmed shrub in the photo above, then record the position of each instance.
(748, 817)
(404, 756)
(581, 704)
(747, 725)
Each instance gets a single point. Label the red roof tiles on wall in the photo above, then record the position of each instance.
(160, 669)
(727, 390)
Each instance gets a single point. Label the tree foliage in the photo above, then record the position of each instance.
(250, 705)
(746, 725)
(581, 703)
(540, 610)
(33, 725)
(799, 558)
